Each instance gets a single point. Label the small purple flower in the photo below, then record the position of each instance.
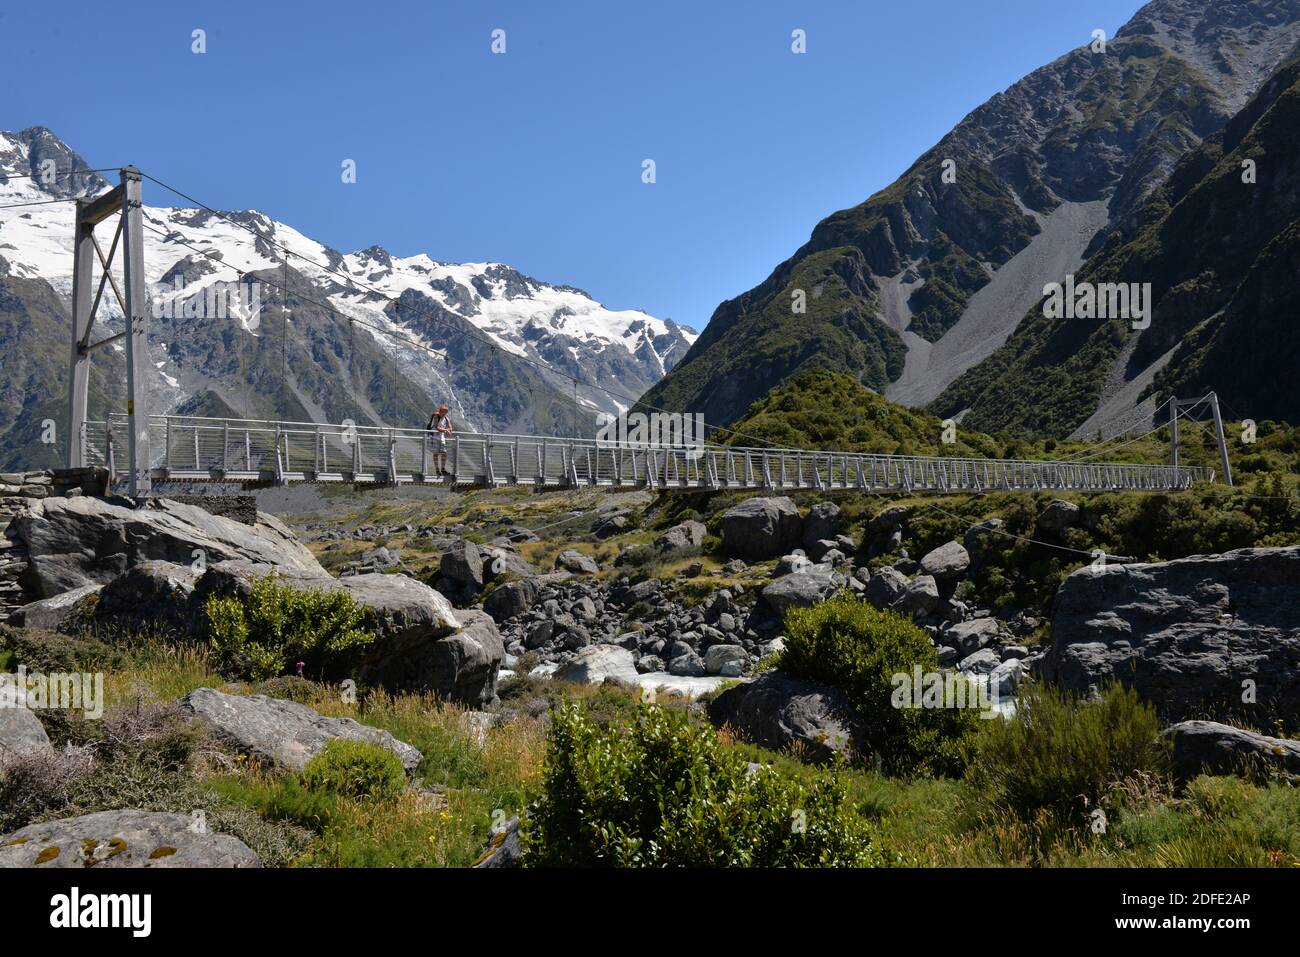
(301, 666)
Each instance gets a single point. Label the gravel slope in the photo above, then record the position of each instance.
(996, 310)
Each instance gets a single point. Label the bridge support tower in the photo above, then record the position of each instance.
(126, 200)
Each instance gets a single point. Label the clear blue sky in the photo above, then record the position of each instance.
(533, 157)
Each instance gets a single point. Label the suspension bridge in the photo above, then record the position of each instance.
(189, 449)
(139, 448)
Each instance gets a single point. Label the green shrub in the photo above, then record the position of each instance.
(659, 791)
(355, 769)
(847, 643)
(1064, 756)
(289, 687)
(278, 624)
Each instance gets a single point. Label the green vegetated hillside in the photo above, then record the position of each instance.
(832, 411)
(1087, 127)
(1222, 255)
(821, 409)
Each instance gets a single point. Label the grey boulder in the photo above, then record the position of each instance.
(572, 560)
(511, 599)
(801, 589)
(463, 564)
(822, 522)
(681, 540)
(21, 732)
(920, 597)
(593, 664)
(152, 591)
(982, 662)
(885, 587)
(126, 838)
(460, 667)
(1186, 634)
(1057, 517)
(403, 607)
(776, 711)
(51, 613)
(761, 528)
(970, 636)
(688, 665)
(726, 660)
(284, 733)
(946, 562)
(789, 564)
(1005, 679)
(1208, 747)
(503, 847)
(501, 559)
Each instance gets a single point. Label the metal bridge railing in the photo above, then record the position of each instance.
(191, 448)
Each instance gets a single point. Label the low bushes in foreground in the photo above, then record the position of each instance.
(848, 643)
(657, 790)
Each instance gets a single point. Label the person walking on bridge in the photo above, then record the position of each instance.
(440, 427)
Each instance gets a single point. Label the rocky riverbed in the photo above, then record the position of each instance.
(460, 615)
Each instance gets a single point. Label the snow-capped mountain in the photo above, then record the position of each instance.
(221, 334)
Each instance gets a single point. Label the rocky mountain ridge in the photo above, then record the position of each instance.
(929, 276)
(496, 345)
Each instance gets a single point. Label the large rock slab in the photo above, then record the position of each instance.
(74, 542)
(761, 528)
(461, 667)
(421, 643)
(1192, 636)
(21, 732)
(284, 733)
(403, 606)
(776, 711)
(1207, 747)
(127, 838)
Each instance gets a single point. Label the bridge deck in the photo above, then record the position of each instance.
(193, 449)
